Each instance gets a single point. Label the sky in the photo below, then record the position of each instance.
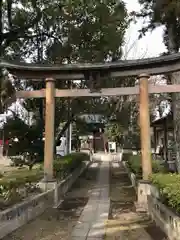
(149, 46)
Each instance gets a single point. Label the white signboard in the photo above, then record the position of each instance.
(62, 149)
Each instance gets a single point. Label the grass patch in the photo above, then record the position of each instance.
(135, 166)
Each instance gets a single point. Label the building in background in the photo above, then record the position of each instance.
(95, 136)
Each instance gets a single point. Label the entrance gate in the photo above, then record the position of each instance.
(142, 69)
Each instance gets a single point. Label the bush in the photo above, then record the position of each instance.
(66, 164)
(134, 164)
(27, 159)
(17, 161)
(12, 183)
(126, 156)
(169, 188)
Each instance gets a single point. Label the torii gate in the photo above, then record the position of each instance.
(140, 68)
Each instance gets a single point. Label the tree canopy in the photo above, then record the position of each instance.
(65, 32)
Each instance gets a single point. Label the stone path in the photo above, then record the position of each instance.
(99, 206)
(92, 222)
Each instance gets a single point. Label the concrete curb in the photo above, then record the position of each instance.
(21, 213)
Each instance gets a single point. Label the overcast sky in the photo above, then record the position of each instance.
(149, 46)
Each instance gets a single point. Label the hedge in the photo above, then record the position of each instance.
(66, 164)
(135, 165)
(169, 188)
(14, 185)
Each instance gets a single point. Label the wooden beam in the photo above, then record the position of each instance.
(152, 66)
(31, 94)
(49, 130)
(145, 126)
(60, 75)
(104, 92)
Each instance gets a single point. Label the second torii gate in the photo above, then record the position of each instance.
(139, 68)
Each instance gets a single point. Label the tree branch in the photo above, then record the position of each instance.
(16, 33)
(61, 132)
(26, 36)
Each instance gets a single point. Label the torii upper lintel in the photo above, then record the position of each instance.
(152, 66)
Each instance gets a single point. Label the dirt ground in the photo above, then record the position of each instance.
(124, 222)
(56, 224)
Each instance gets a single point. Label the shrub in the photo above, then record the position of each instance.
(66, 164)
(134, 164)
(27, 159)
(169, 188)
(126, 156)
(17, 161)
(12, 183)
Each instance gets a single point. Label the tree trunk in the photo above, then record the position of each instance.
(1, 74)
(175, 79)
(1, 50)
(61, 132)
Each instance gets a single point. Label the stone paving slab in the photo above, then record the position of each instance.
(92, 222)
(79, 238)
(97, 229)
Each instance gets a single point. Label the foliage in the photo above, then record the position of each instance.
(122, 126)
(65, 32)
(17, 184)
(134, 164)
(65, 165)
(26, 159)
(114, 132)
(86, 29)
(165, 13)
(29, 143)
(169, 187)
(88, 35)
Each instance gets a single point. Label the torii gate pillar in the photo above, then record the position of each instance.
(145, 126)
(49, 130)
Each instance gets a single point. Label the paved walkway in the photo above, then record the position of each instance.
(99, 206)
(92, 222)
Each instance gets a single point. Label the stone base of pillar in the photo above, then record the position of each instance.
(143, 190)
(45, 186)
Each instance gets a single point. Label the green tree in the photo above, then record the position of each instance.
(87, 30)
(167, 14)
(64, 32)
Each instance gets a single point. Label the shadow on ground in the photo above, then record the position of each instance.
(124, 222)
(57, 224)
